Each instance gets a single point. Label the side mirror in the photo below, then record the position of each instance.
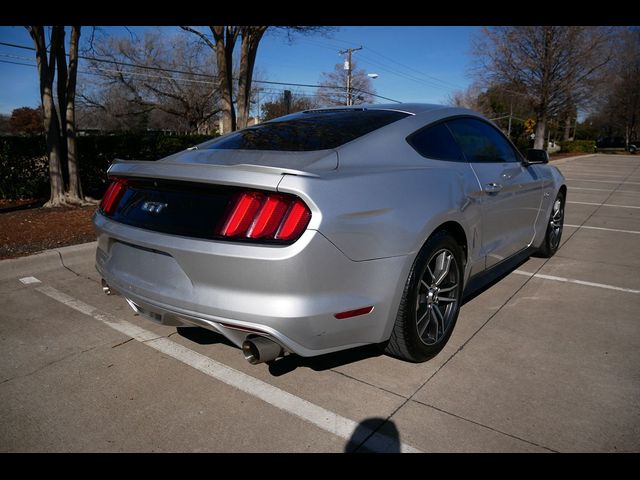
(535, 155)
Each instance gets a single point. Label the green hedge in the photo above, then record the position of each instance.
(583, 146)
(24, 170)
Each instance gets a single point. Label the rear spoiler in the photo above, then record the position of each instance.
(239, 175)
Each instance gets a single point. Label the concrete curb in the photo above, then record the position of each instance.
(47, 260)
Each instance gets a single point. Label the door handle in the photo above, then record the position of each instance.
(492, 187)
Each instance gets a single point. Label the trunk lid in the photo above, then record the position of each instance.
(188, 193)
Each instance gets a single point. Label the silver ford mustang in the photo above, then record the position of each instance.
(328, 229)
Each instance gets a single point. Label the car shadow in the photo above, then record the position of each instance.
(289, 363)
(202, 336)
(480, 284)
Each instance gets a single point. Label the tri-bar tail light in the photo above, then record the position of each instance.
(264, 215)
(112, 196)
(246, 215)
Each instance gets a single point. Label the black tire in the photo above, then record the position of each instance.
(555, 225)
(406, 341)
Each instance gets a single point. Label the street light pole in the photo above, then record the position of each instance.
(349, 52)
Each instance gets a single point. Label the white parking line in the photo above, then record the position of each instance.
(605, 175)
(572, 280)
(603, 228)
(610, 190)
(604, 204)
(602, 181)
(329, 421)
(29, 280)
(604, 171)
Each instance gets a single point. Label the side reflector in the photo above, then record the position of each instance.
(354, 313)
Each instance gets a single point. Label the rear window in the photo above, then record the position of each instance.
(307, 131)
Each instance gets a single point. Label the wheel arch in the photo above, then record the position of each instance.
(457, 232)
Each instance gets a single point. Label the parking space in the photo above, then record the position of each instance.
(544, 360)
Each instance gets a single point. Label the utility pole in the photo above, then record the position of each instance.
(287, 102)
(349, 69)
(510, 115)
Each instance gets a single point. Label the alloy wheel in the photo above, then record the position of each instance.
(555, 224)
(437, 297)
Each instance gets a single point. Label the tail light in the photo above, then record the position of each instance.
(113, 195)
(266, 216)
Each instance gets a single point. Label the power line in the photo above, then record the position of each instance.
(402, 65)
(392, 69)
(402, 74)
(414, 70)
(168, 70)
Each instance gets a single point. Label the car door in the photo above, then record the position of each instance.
(509, 193)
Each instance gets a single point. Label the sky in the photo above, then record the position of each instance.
(413, 64)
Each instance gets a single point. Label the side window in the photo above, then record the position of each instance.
(436, 142)
(481, 142)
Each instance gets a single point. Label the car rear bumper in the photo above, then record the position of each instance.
(288, 293)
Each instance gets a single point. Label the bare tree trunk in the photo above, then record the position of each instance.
(251, 37)
(567, 128)
(541, 126)
(242, 111)
(52, 129)
(225, 38)
(46, 73)
(61, 88)
(74, 192)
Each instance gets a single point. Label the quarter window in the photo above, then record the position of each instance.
(481, 142)
(436, 142)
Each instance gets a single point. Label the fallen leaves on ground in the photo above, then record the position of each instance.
(24, 232)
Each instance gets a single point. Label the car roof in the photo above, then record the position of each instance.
(411, 108)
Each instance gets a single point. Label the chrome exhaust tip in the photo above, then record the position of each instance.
(260, 349)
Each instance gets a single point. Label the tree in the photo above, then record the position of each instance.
(468, 98)
(26, 121)
(67, 80)
(46, 72)
(158, 82)
(333, 90)
(504, 104)
(223, 44)
(277, 108)
(4, 124)
(59, 131)
(618, 112)
(553, 65)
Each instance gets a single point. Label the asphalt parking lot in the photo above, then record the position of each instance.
(546, 360)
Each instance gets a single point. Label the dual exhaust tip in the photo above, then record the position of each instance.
(260, 349)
